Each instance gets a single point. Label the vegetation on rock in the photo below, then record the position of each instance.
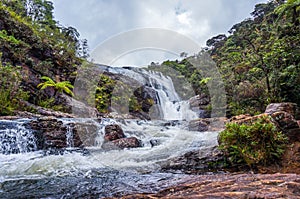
(33, 45)
(64, 86)
(258, 143)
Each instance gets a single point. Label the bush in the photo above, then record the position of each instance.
(259, 143)
(11, 93)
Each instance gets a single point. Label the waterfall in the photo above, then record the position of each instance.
(169, 104)
(16, 138)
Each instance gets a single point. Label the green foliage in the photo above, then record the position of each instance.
(259, 143)
(104, 93)
(10, 39)
(11, 93)
(64, 86)
(260, 59)
(50, 104)
(134, 105)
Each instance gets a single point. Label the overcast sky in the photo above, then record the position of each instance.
(100, 20)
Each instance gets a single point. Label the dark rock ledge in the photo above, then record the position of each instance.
(236, 186)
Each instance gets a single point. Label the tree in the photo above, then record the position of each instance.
(64, 86)
(290, 8)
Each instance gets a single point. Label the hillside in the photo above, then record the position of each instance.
(34, 45)
(258, 60)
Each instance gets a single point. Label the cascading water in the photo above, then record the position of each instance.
(15, 138)
(170, 105)
(100, 172)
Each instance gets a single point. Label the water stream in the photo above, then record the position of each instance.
(93, 172)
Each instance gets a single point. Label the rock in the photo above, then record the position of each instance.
(207, 124)
(293, 134)
(199, 125)
(130, 142)
(199, 101)
(113, 132)
(239, 117)
(201, 161)
(284, 120)
(288, 107)
(199, 104)
(40, 111)
(247, 119)
(154, 142)
(146, 96)
(267, 186)
(78, 108)
(87, 133)
(9, 117)
(51, 133)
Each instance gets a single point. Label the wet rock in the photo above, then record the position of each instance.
(199, 101)
(9, 117)
(204, 160)
(288, 107)
(267, 186)
(113, 132)
(87, 133)
(154, 142)
(51, 133)
(146, 96)
(199, 104)
(130, 142)
(207, 124)
(199, 125)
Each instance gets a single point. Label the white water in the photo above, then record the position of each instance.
(173, 141)
(15, 138)
(20, 162)
(170, 105)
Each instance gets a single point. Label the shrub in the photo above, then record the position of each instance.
(11, 93)
(259, 143)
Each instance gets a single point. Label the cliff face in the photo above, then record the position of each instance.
(33, 49)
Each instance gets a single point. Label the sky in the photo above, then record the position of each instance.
(137, 32)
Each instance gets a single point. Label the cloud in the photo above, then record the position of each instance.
(99, 20)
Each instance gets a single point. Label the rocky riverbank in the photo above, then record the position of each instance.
(246, 185)
(277, 180)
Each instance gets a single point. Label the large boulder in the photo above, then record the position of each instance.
(288, 107)
(200, 104)
(115, 138)
(199, 161)
(113, 132)
(51, 133)
(285, 115)
(78, 108)
(285, 120)
(87, 131)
